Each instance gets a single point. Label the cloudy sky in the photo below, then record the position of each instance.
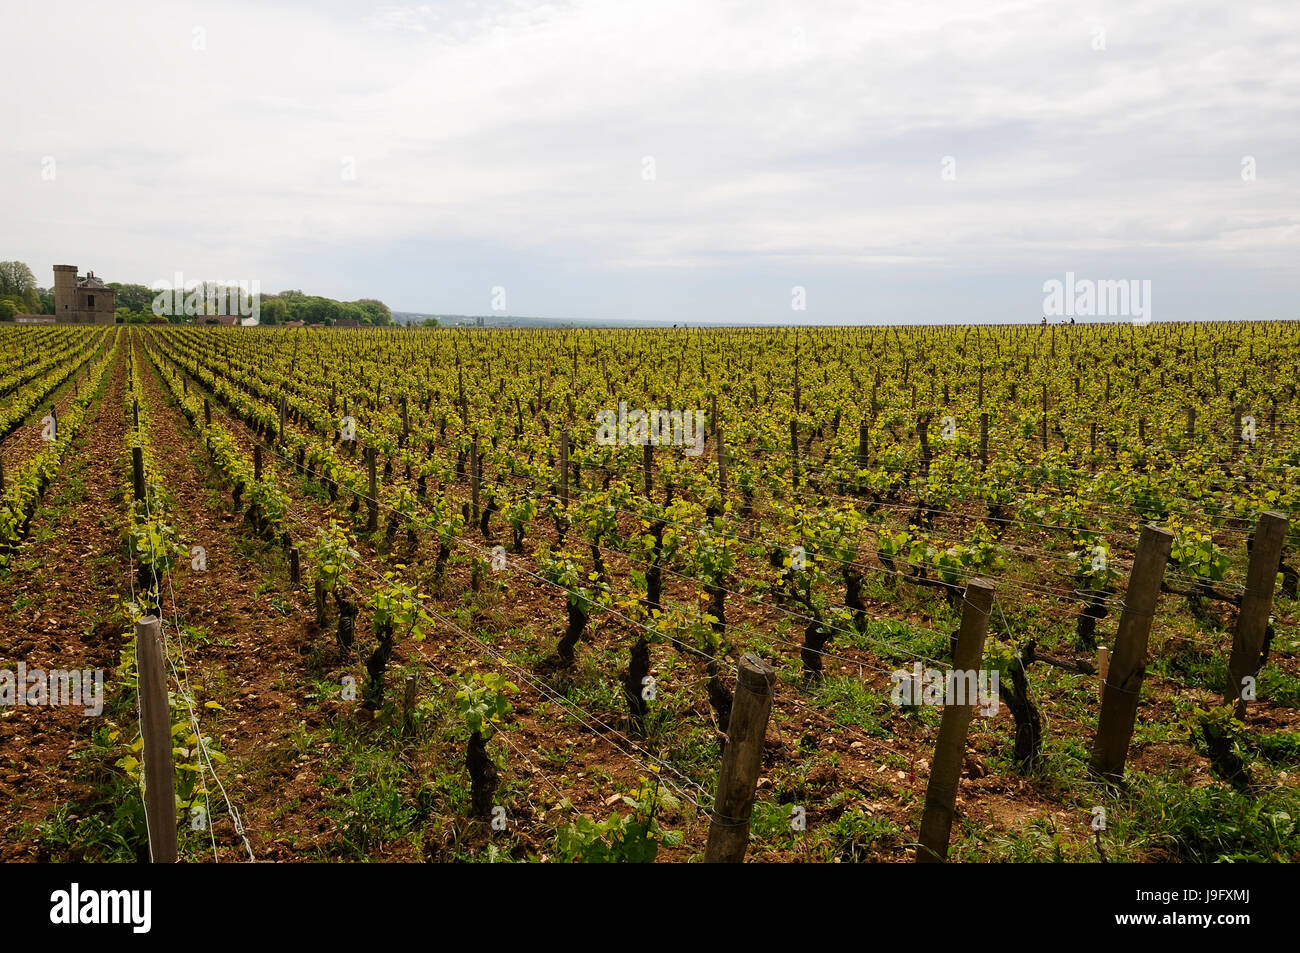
(683, 160)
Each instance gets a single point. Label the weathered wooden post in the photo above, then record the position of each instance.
(207, 412)
(564, 468)
(794, 452)
(156, 731)
(295, 566)
(372, 503)
(474, 476)
(1103, 670)
(741, 761)
(950, 749)
(257, 462)
(722, 463)
(1128, 659)
(984, 440)
(137, 473)
(1256, 604)
(647, 467)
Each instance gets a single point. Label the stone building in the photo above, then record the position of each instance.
(82, 300)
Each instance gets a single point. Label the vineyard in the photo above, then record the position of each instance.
(654, 595)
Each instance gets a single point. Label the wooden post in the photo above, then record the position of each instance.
(1191, 421)
(722, 463)
(156, 730)
(950, 749)
(280, 432)
(647, 464)
(794, 452)
(923, 436)
(864, 444)
(135, 413)
(1129, 658)
(257, 461)
(372, 504)
(474, 476)
(207, 412)
(137, 473)
(984, 440)
(1103, 669)
(564, 468)
(1236, 429)
(406, 422)
(798, 401)
(1256, 604)
(295, 566)
(741, 761)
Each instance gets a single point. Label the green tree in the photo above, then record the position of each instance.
(274, 311)
(16, 278)
(133, 297)
(376, 311)
(7, 310)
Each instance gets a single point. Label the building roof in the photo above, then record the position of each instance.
(90, 281)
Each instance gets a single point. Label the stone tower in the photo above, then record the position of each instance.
(65, 293)
(82, 301)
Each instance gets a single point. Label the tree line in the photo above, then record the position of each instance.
(20, 294)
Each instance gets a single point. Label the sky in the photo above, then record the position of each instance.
(682, 160)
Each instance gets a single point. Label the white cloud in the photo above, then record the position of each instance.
(782, 132)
